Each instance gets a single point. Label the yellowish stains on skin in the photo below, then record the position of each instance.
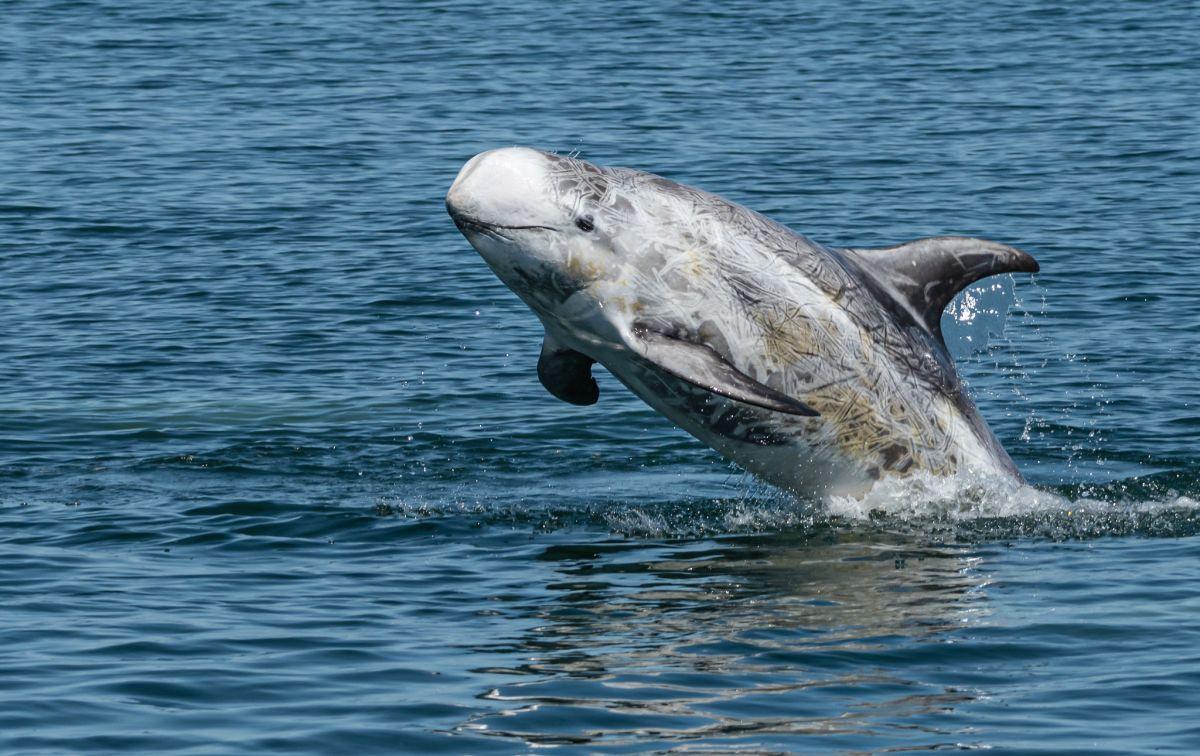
(868, 420)
(583, 270)
(790, 338)
(696, 265)
(862, 432)
(625, 305)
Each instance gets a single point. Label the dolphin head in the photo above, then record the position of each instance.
(562, 233)
(543, 237)
(600, 252)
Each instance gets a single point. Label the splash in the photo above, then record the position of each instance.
(972, 507)
(963, 508)
(979, 315)
(1004, 356)
(959, 497)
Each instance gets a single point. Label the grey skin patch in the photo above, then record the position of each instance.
(538, 284)
(746, 291)
(710, 335)
(741, 423)
(748, 426)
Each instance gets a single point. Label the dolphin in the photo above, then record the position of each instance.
(821, 370)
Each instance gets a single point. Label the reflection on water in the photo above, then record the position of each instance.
(740, 639)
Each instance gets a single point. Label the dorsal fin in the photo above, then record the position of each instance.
(924, 275)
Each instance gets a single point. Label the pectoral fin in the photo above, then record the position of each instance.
(567, 374)
(702, 366)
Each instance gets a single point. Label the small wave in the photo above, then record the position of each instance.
(964, 508)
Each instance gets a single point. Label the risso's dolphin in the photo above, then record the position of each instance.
(821, 370)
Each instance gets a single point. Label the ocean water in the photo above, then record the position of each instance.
(276, 473)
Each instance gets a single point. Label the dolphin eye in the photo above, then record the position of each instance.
(584, 222)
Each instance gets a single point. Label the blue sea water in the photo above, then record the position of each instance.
(276, 473)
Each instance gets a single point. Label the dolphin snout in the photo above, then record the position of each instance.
(499, 187)
(460, 190)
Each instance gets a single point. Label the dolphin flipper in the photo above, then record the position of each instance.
(567, 374)
(700, 366)
(922, 276)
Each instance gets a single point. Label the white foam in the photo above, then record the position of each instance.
(958, 497)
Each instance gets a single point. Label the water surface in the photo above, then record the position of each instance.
(276, 472)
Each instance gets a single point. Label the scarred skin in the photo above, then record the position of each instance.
(605, 256)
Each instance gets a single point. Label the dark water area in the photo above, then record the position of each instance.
(276, 472)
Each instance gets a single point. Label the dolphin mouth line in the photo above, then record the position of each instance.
(465, 222)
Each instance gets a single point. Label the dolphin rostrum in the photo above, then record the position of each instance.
(820, 370)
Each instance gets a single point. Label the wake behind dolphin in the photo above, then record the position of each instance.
(821, 370)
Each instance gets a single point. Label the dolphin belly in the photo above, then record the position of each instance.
(834, 454)
(778, 448)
